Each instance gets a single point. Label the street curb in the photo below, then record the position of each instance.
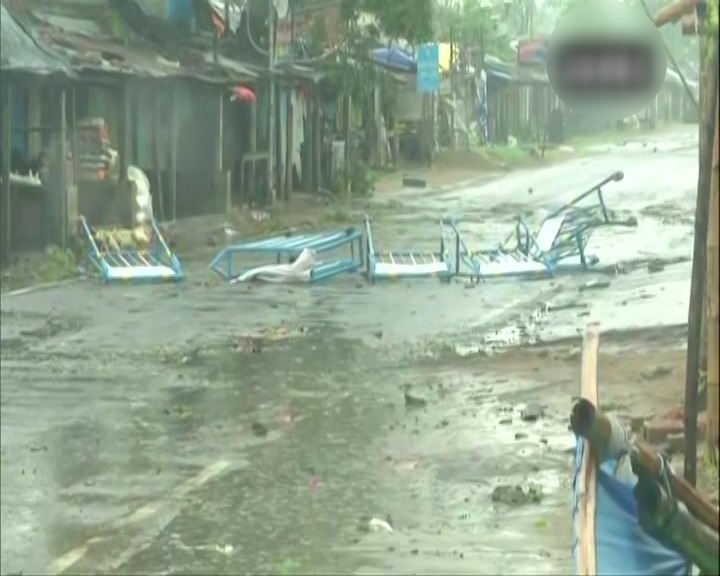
(39, 287)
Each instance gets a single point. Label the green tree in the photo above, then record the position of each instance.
(410, 20)
(472, 23)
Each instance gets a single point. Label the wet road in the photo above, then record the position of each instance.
(141, 433)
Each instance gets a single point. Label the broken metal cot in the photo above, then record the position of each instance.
(295, 249)
(119, 262)
(560, 243)
(450, 259)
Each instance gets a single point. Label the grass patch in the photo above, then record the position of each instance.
(708, 477)
(52, 265)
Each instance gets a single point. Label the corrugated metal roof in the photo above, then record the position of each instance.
(517, 74)
(85, 42)
(20, 53)
(94, 55)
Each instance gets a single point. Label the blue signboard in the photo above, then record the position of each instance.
(428, 68)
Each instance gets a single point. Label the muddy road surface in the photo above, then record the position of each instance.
(256, 429)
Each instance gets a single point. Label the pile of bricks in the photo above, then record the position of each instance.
(669, 428)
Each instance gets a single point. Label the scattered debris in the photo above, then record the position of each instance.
(571, 305)
(249, 345)
(374, 524)
(259, 429)
(260, 216)
(414, 401)
(594, 285)
(229, 232)
(191, 357)
(657, 372)
(532, 413)
(255, 343)
(410, 182)
(377, 525)
(655, 266)
(227, 549)
(516, 495)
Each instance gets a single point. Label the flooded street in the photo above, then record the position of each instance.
(240, 429)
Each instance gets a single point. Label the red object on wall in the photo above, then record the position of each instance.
(244, 95)
(532, 52)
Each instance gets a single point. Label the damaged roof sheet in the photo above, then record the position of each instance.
(80, 40)
(106, 56)
(20, 53)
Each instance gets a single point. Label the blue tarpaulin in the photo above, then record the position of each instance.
(395, 58)
(180, 11)
(623, 547)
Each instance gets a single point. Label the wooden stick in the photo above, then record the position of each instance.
(696, 309)
(673, 12)
(587, 558)
(711, 294)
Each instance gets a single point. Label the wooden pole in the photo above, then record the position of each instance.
(289, 139)
(317, 142)
(310, 140)
(452, 88)
(271, 120)
(220, 149)
(174, 131)
(289, 146)
(708, 84)
(156, 131)
(347, 123)
(63, 170)
(6, 160)
(253, 150)
(711, 293)
(377, 120)
(124, 129)
(73, 136)
(587, 491)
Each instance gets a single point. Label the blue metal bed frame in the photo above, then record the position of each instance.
(450, 260)
(290, 247)
(525, 254)
(156, 264)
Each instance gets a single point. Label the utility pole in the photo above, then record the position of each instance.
(452, 87)
(271, 127)
(289, 139)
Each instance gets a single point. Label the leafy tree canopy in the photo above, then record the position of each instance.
(411, 20)
(471, 23)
